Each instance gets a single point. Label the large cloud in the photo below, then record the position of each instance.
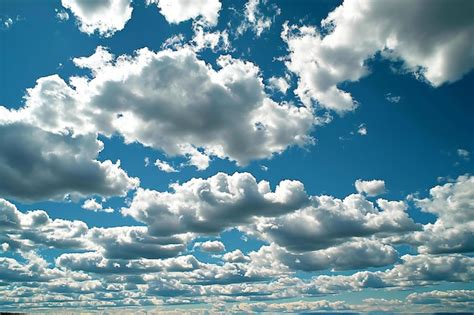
(430, 38)
(350, 255)
(412, 270)
(38, 165)
(172, 101)
(36, 230)
(214, 204)
(453, 231)
(105, 17)
(130, 242)
(330, 221)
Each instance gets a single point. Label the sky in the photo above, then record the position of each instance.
(217, 156)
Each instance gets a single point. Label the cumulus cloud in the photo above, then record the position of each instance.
(94, 262)
(61, 15)
(214, 40)
(28, 231)
(453, 230)
(34, 269)
(370, 187)
(93, 205)
(165, 166)
(349, 255)
(410, 271)
(132, 242)
(291, 307)
(177, 11)
(279, 83)
(330, 221)
(447, 298)
(362, 130)
(235, 256)
(35, 229)
(105, 17)
(223, 113)
(39, 165)
(214, 204)
(425, 269)
(210, 246)
(433, 44)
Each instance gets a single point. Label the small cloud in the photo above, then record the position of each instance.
(6, 23)
(61, 15)
(463, 153)
(264, 168)
(279, 84)
(370, 187)
(392, 98)
(5, 247)
(210, 246)
(147, 161)
(362, 130)
(93, 205)
(174, 42)
(165, 166)
(258, 17)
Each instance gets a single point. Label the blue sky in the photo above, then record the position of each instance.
(281, 156)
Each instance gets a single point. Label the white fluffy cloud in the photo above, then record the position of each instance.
(330, 221)
(279, 83)
(430, 38)
(35, 229)
(210, 246)
(165, 166)
(93, 205)
(449, 299)
(214, 204)
(453, 231)
(350, 255)
(370, 187)
(177, 11)
(28, 231)
(105, 17)
(172, 101)
(295, 307)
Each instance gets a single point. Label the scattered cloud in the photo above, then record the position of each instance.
(370, 187)
(165, 166)
(177, 11)
(463, 153)
(258, 17)
(210, 246)
(214, 204)
(93, 205)
(362, 130)
(61, 15)
(392, 98)
(103, 17)
(279, 84)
